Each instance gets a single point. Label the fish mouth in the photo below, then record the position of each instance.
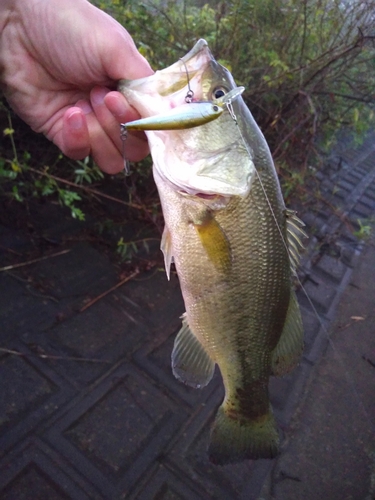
(169, 87)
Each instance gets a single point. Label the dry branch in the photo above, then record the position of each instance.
(14, 266)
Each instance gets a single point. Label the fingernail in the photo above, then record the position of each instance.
(76, 120)
(119, 109)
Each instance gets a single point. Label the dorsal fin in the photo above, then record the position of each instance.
(295, 232)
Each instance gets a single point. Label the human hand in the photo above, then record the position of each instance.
(58, 62)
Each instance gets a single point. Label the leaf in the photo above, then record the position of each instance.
(16, 167)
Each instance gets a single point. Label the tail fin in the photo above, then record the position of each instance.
(234, 440)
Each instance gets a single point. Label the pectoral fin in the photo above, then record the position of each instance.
(166, 248)
(190, 362)
(215, 243)
(288, 351)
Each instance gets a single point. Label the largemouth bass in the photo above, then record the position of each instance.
(233, 242)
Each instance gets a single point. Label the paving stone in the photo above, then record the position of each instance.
(311, 326)
(33, 470)
(340, 195)
(23, 307)
(31, 394)
(345, 185)
(27, 390)
(280, 388)
(320, 293)
(286, 392)
(102, 334)
(368, 201)
(114, 429)
(314, 223)
(78, 273)
(354, 176)
(155, 300)
(346, 250)
(13, 242)
(32, 478)
(331, 267)
(362, 211)
(370, 191)
(164, 485)
(115, 433)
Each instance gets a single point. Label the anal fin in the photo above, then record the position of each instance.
(190, 362)
(288, 351)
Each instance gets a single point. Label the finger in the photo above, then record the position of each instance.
(104, 152)
(104, 116)
(136, 145)
(134, 148)
(120, 108)
(75, 134)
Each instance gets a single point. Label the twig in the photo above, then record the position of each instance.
(51, 356)
(369, 361)
(10, 250)
(85, 188)
(93, 301)
(14, 266)
(344, 96)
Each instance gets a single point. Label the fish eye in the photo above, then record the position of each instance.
(219, 92)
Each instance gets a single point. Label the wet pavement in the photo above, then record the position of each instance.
(89, 406)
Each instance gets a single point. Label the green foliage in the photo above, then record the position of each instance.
(307, 65)
(19, 180)
(87, 172)
(365, 229)
(127, 249)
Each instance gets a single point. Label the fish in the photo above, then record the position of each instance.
(234, 244)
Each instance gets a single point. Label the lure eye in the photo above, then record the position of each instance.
(219, 92)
